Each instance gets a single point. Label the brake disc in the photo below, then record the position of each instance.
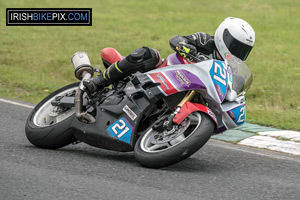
(166, 136)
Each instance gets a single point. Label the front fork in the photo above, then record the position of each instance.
(168, 123)
(188, 97)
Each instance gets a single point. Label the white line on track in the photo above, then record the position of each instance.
(289, 135)
(16, 103)
(271, 143)
(254, 150)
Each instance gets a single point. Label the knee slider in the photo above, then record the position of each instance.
(141, 59)
(149, 57)
(139, 55)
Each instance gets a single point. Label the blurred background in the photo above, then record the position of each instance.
(35, 60)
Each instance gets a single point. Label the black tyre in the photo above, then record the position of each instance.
(156, 154)
(47, 126)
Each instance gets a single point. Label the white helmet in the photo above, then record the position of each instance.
(234, 37)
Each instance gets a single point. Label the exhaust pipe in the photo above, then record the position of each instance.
(81, 63)
(82, 116)
(83, 70)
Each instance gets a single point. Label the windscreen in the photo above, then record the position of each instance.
(241, 75)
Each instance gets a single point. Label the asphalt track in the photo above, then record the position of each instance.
(218, 171)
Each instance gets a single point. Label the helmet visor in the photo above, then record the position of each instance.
(237, 48)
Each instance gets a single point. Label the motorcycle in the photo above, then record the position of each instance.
(164, 115)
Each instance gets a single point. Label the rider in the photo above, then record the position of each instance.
(234, 36)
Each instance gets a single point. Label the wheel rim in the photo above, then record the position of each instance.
(147, 146)
(44, 116)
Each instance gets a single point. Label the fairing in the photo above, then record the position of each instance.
(214, 80)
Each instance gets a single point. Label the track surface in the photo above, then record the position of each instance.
(218, 171)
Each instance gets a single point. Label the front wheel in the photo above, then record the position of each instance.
(160, 149)
(50, 126)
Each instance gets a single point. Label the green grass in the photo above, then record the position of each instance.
(35, 61)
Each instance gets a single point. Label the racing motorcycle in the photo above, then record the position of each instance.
(164, 115)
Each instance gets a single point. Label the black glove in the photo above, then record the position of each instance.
(184, 49)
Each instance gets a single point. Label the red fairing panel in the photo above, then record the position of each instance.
(166, 86)
(164, 64)
(188, 108)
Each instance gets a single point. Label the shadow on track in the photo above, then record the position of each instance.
(200, 162)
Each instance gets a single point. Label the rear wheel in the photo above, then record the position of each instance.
(160, 149)
(50, 126)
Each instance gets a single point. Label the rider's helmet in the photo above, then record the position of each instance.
(235, 37)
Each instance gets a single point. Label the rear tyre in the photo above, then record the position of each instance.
(162, 154)
(48, 126)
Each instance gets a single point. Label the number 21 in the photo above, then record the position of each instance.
(120, 126)
(222, 77)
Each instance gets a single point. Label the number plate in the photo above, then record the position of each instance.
(218, 74)
(238, 114)
(121, 130)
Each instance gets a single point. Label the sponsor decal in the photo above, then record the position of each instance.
(182, 78)
(160, 77)
(166, 86)
(231, 115)
(212, 114)
(220, 90)
(130, 113)
(228, 56)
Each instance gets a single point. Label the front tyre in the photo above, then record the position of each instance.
(155, 151)
(48, 126)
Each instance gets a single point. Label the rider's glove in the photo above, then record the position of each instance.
(184, 49)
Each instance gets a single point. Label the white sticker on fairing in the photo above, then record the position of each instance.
(130, 113)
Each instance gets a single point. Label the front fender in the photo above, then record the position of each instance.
(188, 108)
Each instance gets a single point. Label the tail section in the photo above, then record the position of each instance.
(109, 56)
